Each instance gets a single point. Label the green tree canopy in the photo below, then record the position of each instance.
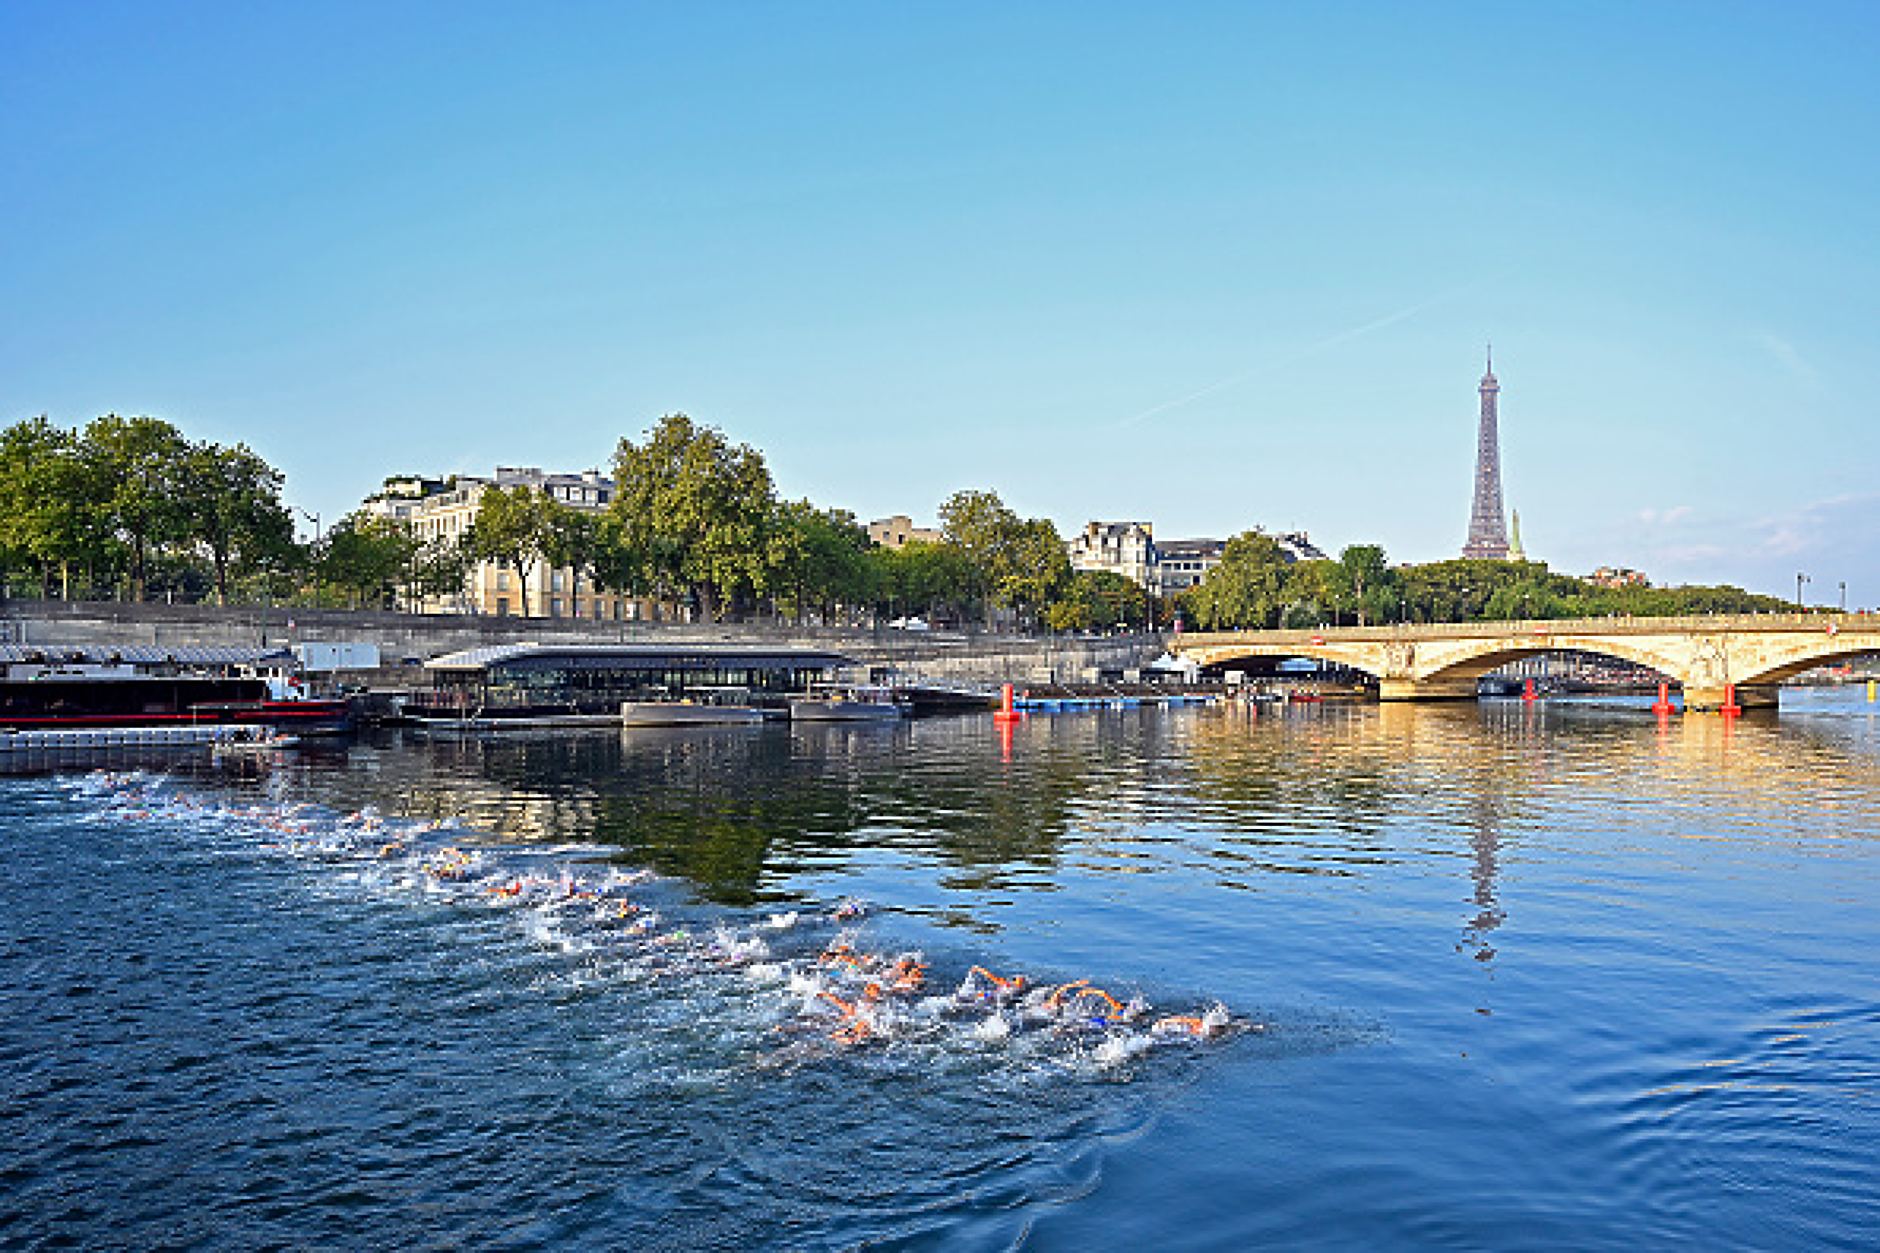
(369, 556)
(1099, 600)
(691, 508)
(1246, 590)
(512, 530)
(1016, 562)
(922, 577)
(137, 466)
(232, 501)
(819, 558)
(47, 517)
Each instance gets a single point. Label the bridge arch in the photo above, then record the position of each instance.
(1472, 662)
(1223, 657)
(1803, 660)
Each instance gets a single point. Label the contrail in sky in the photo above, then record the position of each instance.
(1306, 351)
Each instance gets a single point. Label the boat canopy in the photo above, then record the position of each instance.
(646, 657)
(188, 656)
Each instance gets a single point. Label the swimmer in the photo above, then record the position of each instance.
(907, 975)
(999, 988)
(1057, 995)
(1194, 1026)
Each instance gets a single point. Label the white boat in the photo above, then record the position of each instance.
(699, 707)
(847, 703)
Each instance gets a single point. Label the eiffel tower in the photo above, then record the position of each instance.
(1488, 533)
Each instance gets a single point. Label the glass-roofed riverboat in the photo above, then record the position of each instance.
(534, 684)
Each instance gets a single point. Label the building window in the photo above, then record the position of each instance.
(502, 580)
(502, 606)
(554, 607)
(555, 581)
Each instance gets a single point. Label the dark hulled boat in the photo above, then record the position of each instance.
(73, 689)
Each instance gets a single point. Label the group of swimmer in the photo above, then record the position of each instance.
(833, 997)
(857, 998)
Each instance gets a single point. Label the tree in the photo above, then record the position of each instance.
(231, 499)
(1247, 588)
(819, 557)
(926, 578)
(1098, 600)
(136, 465)
(620, 565)
(570, 540)
(693, 507)
(1016, 562)
(1035, 568)
(369, 555)
(46, 493)
(440, 567)
(1365, 583)
(983, 530)
(511, 529)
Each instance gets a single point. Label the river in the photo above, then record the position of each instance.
(1561, 975)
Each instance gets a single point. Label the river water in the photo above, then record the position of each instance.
(1500, 976)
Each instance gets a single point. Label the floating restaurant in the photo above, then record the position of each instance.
(572, 684)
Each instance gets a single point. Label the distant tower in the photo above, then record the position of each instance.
(1515, 551)
(1488, 533)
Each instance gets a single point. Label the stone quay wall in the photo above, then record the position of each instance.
(407, 640)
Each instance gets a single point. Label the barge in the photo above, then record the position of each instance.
(87, 689)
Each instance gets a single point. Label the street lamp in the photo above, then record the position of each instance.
(1843, 595)
(1799, 580)
(314, 518)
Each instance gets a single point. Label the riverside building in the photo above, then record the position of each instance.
(443, 509)
(1163, 567)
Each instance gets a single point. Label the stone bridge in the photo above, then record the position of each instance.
(1442, 661)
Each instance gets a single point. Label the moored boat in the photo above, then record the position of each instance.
(846, 702)
(680, 713)
(89, 689)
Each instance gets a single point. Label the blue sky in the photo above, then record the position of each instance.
(1214, 266)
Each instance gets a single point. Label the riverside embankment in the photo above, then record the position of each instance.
(405, 641)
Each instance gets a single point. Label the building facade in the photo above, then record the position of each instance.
(1125, 548)
(898, 530)
(443, 510)
(1164, 567)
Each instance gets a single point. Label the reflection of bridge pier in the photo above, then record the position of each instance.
(1709, 698)
(1440, 687)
